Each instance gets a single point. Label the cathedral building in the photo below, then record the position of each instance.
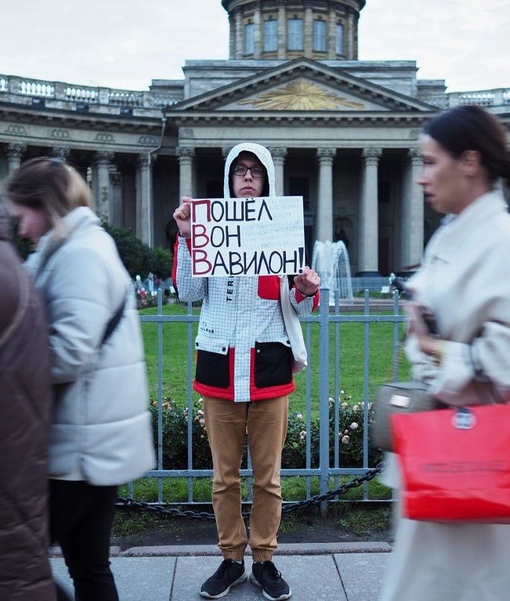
(343, 132)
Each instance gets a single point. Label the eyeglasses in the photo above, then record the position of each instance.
(256, 171)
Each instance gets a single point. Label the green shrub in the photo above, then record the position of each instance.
(175, 433)
(175, 436)
(350, 433)
(160, 262)
(134, 253)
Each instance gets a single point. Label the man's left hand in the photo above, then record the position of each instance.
(307, 282)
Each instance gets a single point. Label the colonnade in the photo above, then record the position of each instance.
(103, 172)
(122, 186)
(410, 228)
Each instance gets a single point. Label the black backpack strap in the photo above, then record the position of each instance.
(114, 322)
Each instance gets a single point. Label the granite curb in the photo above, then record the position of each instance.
(213, 550)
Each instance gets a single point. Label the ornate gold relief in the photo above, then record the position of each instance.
(300, 95)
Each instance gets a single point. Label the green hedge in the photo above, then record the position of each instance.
(175, 433)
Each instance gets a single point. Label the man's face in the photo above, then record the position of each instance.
(251, 183)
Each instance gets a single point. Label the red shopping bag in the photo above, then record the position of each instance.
(455, 463)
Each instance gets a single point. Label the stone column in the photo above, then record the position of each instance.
(325, 194)
(14, 154)
(232, 37)
(331, 34)
(368, 261)
(308, 32)
(282, 32)
(186, 156)
(350, 41)
(239, 53)
(101, 187)
(279, 155)
(143, 200)
(412, 234)
(257, 32)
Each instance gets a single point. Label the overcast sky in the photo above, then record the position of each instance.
(127, 43)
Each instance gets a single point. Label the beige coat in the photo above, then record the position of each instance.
(465, 280)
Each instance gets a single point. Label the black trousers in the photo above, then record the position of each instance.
(81, 518)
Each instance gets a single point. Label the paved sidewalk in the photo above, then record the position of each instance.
(315, 572)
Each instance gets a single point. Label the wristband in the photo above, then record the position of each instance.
(307, 295)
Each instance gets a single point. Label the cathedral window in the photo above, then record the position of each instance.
(249, 31)
(295, 38)
(319, 36)
(340, 39)
(270, 35)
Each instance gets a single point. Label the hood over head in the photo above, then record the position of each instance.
(263, 155)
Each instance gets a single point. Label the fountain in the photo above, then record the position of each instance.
(331, 261)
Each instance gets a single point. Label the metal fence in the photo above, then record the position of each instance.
(324, 400)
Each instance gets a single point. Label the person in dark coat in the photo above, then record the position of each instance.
(25, 403)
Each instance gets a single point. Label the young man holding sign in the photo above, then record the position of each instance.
(249, 344)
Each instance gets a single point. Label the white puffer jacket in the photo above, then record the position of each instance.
(101, 429)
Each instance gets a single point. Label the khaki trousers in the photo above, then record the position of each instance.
(264, 424)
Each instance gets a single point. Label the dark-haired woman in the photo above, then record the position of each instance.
(101, 434)
(464, 282)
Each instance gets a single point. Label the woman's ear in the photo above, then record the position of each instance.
(471, 163)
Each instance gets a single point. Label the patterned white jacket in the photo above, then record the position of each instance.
(242, 333)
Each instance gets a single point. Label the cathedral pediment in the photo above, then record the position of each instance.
(303, 94)
(301, 85)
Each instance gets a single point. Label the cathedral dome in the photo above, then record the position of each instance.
(288, 29)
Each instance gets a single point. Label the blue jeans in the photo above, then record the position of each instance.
(81, 518)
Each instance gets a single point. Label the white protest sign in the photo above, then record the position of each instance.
(247, 236)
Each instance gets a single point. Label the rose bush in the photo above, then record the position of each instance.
(175, 424)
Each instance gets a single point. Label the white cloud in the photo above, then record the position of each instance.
(464, 41)
(127, 43)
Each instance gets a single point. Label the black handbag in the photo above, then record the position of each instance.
(397, 397)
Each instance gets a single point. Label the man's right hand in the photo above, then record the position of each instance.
(182, 217)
